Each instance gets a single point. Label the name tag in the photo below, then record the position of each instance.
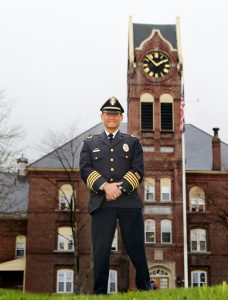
(96, 150)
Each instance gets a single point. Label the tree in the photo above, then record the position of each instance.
(219, 205)
(65, 156)
(10, 135)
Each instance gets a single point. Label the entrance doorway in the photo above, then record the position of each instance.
(160, 277)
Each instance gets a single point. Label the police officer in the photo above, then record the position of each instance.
(111, 165)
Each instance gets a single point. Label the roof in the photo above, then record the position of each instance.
(198, 148)
(13, 193)
(143, 31)
(14, 188)
(67, 155)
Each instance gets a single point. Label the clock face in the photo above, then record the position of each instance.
(156, 64)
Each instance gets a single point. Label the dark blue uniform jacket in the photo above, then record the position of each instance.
(119, 160)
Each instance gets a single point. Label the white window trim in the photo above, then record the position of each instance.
(153, 224)
(66, 197)
(198, 232)
(114, 273)
(65, 235)
(168, 222)
(149, 182)
(20, 241)
(64, 282)
(198, 273)
(197, 195)
(165, 183)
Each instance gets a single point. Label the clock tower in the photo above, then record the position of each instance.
(154, 97)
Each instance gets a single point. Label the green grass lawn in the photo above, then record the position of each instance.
(204, 293)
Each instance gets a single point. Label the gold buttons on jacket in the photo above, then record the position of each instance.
(112, 149)
(112, 169)
(111, 159)
(111, 179)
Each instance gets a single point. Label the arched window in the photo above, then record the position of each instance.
(65, 281)
(112, 281)
(149, 231)
(165, 188)
(149, 189)
(20, 245)
(66, 199)
(166, 108)
(166, 231)
(198, 278)
(198, 240)
(147, 112)
(65, 239)
(197, 199)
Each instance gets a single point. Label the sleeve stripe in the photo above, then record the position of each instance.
(132, 179)
(92, 178)
(132, 175)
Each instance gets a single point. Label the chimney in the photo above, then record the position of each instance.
(216, 151)
(22, 164)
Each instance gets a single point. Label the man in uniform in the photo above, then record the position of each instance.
(111, 165)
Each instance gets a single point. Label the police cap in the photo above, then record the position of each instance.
(112, 105)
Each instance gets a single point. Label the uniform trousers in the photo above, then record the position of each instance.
(131, 224)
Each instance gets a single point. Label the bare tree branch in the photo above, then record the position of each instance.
(10, 135)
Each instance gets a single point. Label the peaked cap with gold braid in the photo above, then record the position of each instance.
(112, 105)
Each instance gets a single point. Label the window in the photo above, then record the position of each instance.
(115, 241)
(165, 186)
(65, 281)
(149, 231)
(198, 240)
(65, 239)
(147, 101)
(166, 231)
(197, 199)
(149, 190)
(20, 245)
(112, 281)
(66, 197)
(166, 101)
(198, 278)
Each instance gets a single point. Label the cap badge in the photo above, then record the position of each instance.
(113, 101)
(125, 147)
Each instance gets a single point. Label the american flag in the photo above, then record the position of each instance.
(182, 105)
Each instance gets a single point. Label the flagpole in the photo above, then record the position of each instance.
(184, 213)
(182, 127)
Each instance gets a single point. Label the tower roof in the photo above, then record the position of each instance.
(143, 31)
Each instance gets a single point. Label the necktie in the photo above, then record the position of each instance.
(110, 136)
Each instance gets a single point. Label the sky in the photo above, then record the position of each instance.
(60, 60)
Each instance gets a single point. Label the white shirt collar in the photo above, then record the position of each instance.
(114, 133)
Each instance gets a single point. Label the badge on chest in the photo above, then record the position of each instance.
(125, 147)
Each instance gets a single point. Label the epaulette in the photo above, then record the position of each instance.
(89, 136)
(135, 136)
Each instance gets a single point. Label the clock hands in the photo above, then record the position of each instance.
(157, 63)
(161, 62)
(153, 62)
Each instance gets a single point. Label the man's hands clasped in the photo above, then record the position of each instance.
(112, 190)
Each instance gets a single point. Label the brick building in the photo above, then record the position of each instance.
(185, 206)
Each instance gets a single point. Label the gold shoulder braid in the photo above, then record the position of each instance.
(89, 136)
